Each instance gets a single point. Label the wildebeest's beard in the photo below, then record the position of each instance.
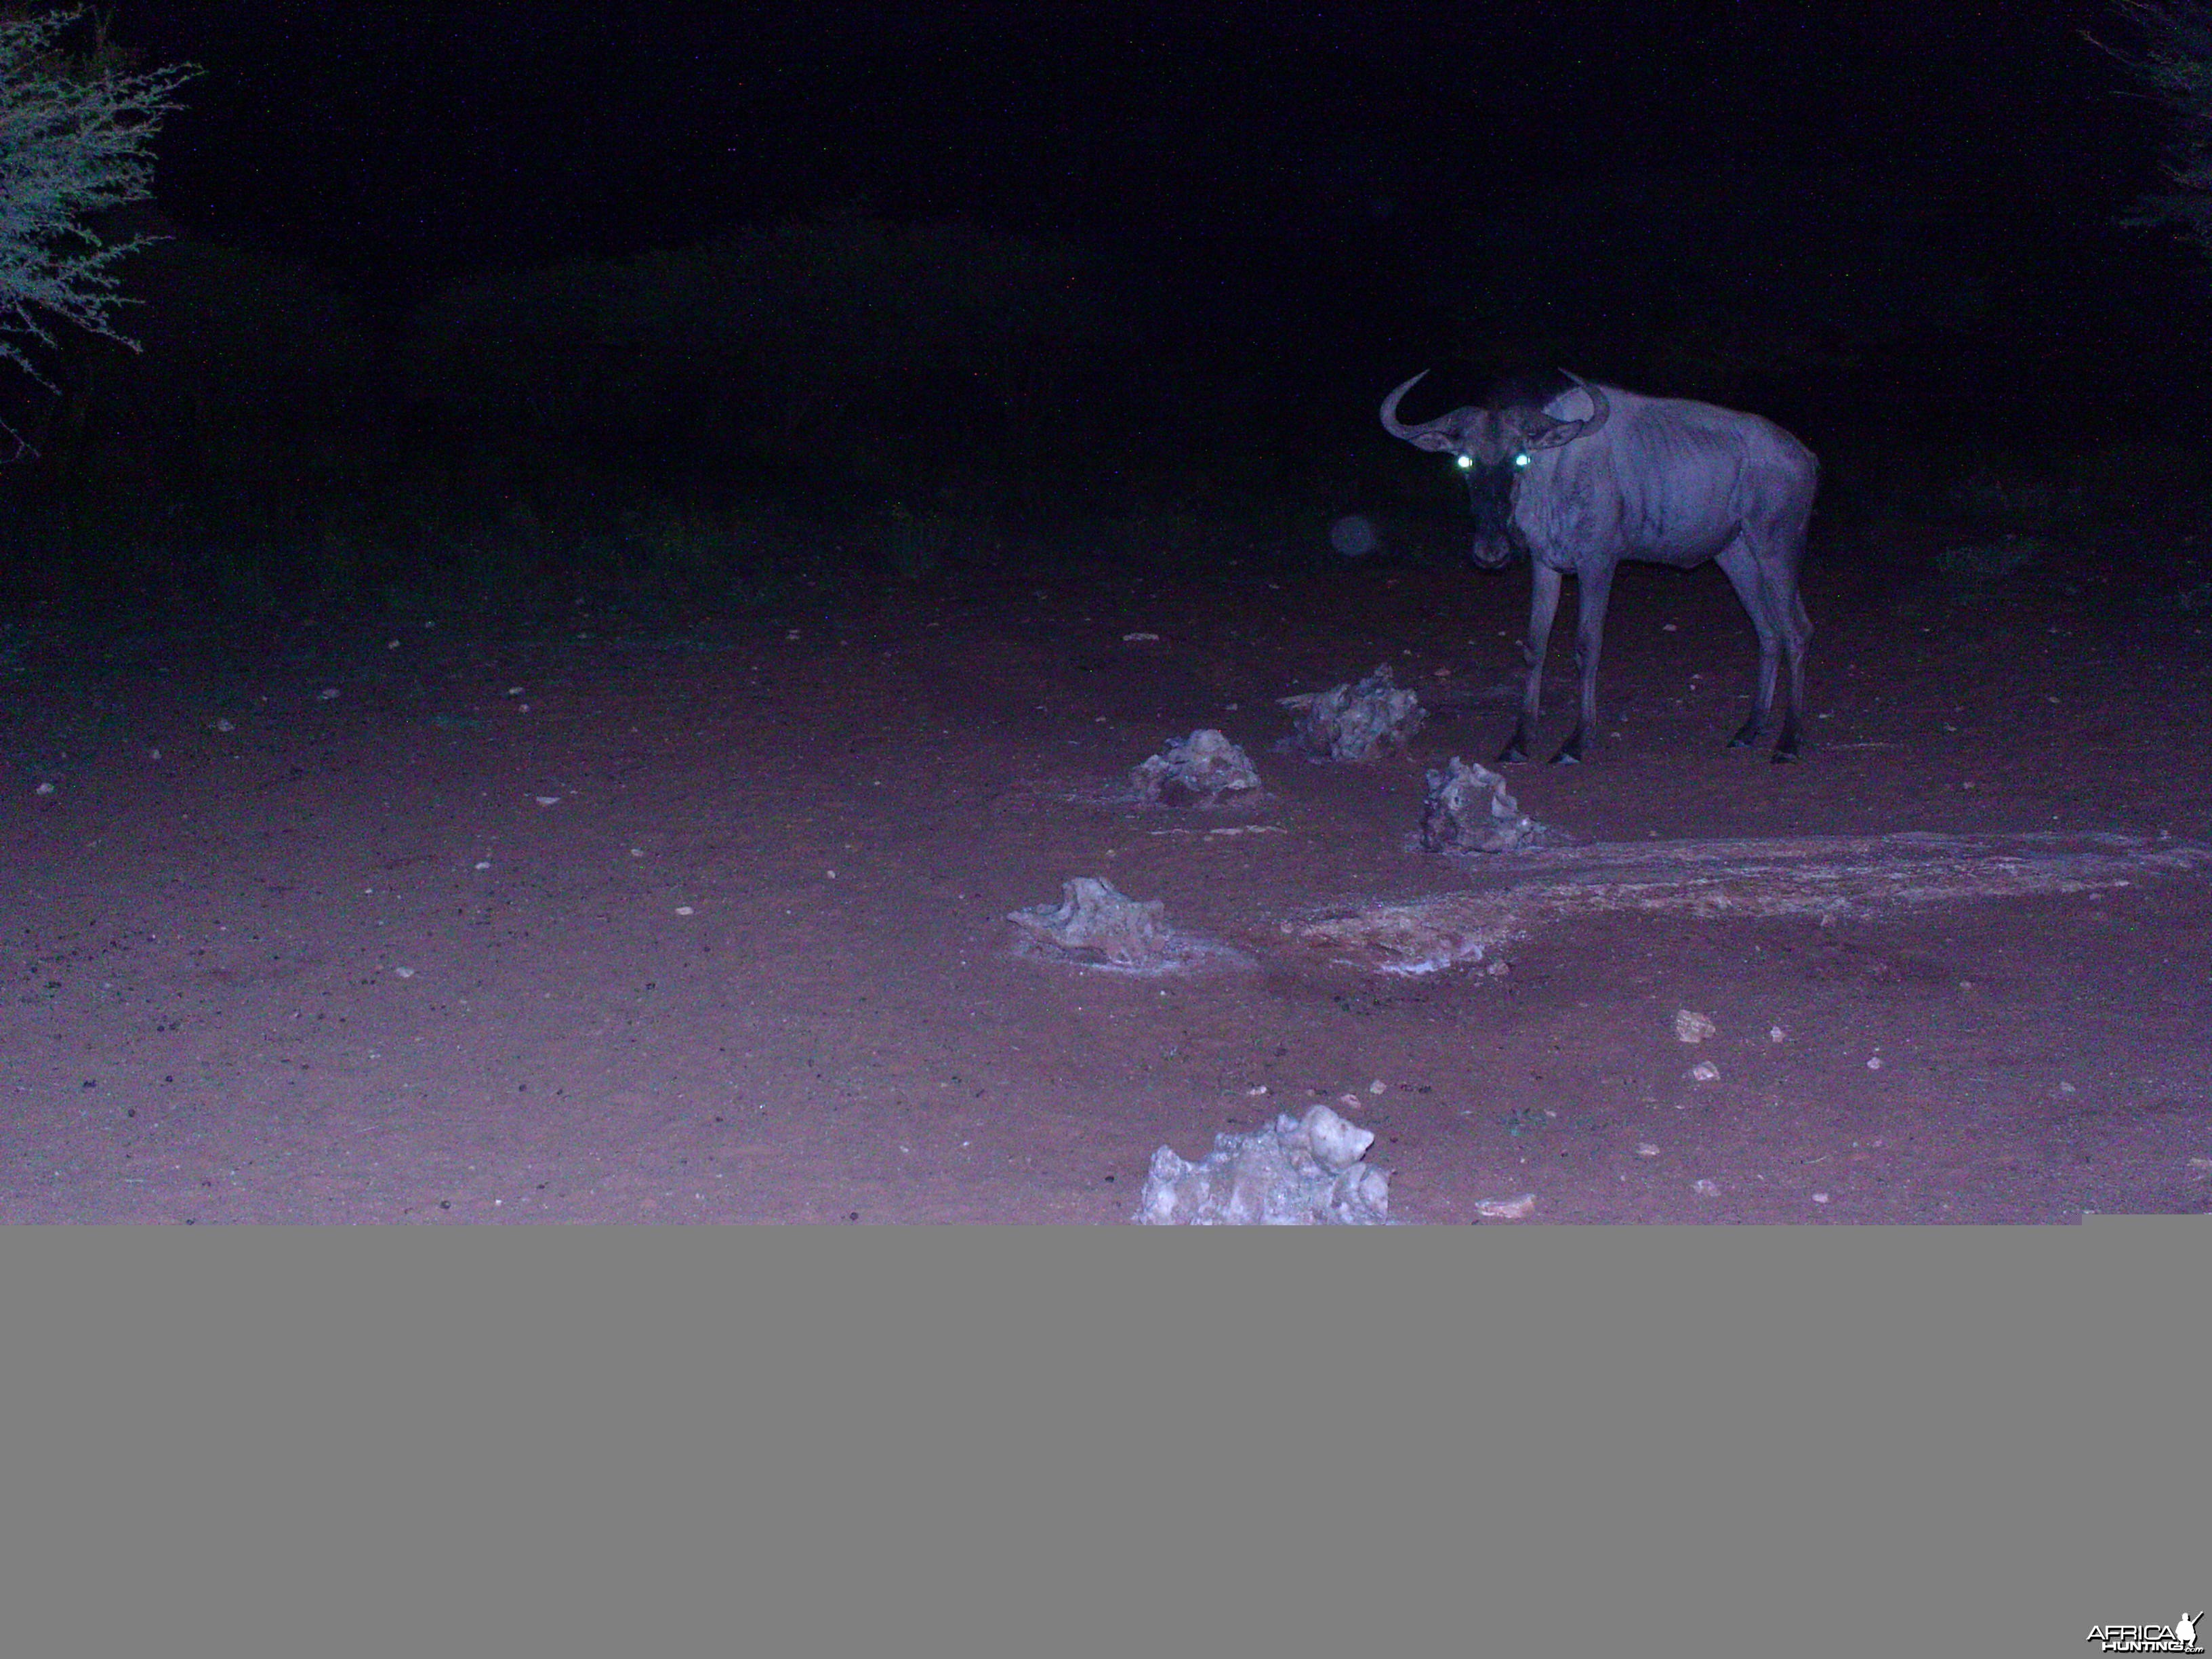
(1490, 492)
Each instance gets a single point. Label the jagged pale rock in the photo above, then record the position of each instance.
(1299, 1171)
(1196, 770)
(1467, 811)
(1352, 722)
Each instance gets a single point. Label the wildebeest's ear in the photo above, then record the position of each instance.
(1539, 430)
(1577, 404)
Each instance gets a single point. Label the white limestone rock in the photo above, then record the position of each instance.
(1299, 1172)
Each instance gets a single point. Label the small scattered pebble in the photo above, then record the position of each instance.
(1874, 1063)
(1645, 1149)
(404, 972)
(1518, 1208)
(1693, 1027)
(1710, 1188)
(1704, 1072)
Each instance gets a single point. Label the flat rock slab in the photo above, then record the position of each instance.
(1816, 876)
(1096, 925)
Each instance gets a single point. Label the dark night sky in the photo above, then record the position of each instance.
(380, 138)
(1313, 165)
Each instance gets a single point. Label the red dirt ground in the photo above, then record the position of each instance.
(457, 922)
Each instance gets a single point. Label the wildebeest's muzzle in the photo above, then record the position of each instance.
(1490, 493)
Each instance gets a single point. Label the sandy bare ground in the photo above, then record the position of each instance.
(455, 918)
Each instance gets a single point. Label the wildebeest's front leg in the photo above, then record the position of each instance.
(1593, 586)
(1543, 604)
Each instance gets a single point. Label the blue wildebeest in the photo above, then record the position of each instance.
(1582, 476)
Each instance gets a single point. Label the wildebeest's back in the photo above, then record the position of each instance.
(1690, 474)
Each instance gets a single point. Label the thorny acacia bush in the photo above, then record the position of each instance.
(75, 141)
(2176, 63)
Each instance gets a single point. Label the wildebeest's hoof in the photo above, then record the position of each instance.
(1567, 758)
(1511, 753)
(1783, 756)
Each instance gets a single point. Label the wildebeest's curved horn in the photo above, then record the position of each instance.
(1600, 406)
(1392, 424)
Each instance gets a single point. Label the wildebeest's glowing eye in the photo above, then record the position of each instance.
(1521, 459)
(1467, 463)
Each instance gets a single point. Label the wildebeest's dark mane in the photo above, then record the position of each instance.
(1531, 390)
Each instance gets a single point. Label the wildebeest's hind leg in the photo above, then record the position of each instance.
(1799, 635)
(1543, 605)
(1766, 611)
